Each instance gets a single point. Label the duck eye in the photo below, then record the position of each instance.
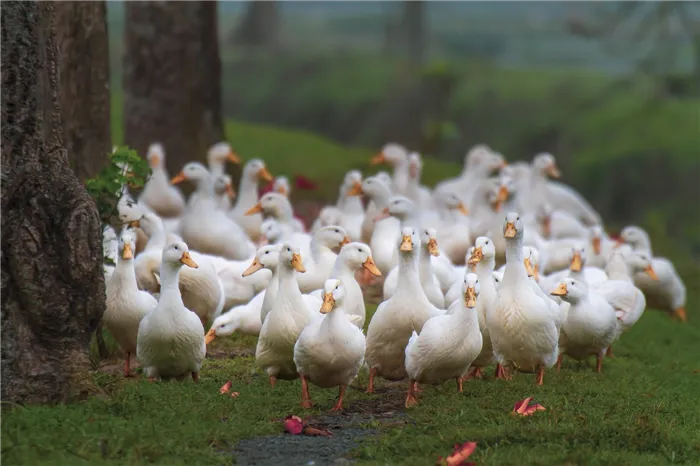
(359, 250)
(267, 252)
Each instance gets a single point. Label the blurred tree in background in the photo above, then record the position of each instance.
(259, 26)
(172, 78)
(52, 282)
(85, 97)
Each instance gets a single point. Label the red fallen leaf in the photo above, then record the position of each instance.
(459, 455)
(525, 408)
(295, 426)
(302, 182)
(225, 388)
(235, 394)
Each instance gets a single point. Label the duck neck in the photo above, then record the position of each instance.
(409, 280)
(216, 167)
(158, 238)
(125, 273)
(169, 282)
(515, 267)
(205, 188)
(287, 279)
(247, 192)
(484, 271)
(401, 176)
(333, 320)
(317, 249)
(425, 267)
(381, 196)
(617, 269)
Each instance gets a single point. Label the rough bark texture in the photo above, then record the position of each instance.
(259, 25)
(52, 284)
(172, 79)
(84, 68)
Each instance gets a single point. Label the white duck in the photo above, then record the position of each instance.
(126, 304)
(253, 171)
(278, 207)
(619, 290)
(524, 327)
(484, 259)
(396, 156)
(158, 194)
(287, 318)
(386, 230)
(331, 350)
(351, 258)
(668, 292)
(267, 257)
(244, 319)
(447, 345)
(415, 191)
(577, 269)
(200, 288)
(397, 318)
(322, 258)
(170, 339)
(590, 326)
(429, 282)
(223, 191)
(204, 226)
(352, 212)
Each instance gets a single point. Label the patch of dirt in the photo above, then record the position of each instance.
(348, 428)
(230, 353)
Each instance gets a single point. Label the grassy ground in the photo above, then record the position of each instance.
(641, 410)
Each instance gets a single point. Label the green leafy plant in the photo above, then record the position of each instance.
(125, 169)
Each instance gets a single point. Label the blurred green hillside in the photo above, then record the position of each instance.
(513, 78)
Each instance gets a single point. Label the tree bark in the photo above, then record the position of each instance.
(172, 79)
(84, 49)
(259, 26)
(52, 283)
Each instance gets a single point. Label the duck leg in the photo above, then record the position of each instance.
(370, 384)
(459, 384)
(411, 398)
(195, 376)
(609, 352)
(339, 405)
(599, 363)
(127, 365)
(501, 372)
(474, 372)
(561, 356)
(273, 381)
(539, 379)
(416, 388)
(305, 395)
(680, 314)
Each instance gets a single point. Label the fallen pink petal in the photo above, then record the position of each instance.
(225, 388)
(235, 394)
(459, 455)
(293, 425)
(526, 407)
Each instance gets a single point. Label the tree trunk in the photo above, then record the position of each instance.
(259, 26)
(413, 31)
(83, 46)
(172, 79)
(52, 284)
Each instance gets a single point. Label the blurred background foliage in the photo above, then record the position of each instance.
(612, 89)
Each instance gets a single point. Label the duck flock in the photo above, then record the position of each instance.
(499, 265)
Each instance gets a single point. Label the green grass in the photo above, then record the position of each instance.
(641, 410)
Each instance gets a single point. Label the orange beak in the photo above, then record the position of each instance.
(462, 209)
(356, 189)
(256, 209)
(210, 336)
(406, 244)
(265, 174)
(254, 267)
(378, 159)
(510, 230)
(596, 246)
(179, 178)
(345, 241)
(560, 290)
(282, 190)
(553, 171)
(433, 247)
(233, 157)
(502, 194)
(154, 161)
(649, 270)
(372, 267)
(476, 257)
(576, 263)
